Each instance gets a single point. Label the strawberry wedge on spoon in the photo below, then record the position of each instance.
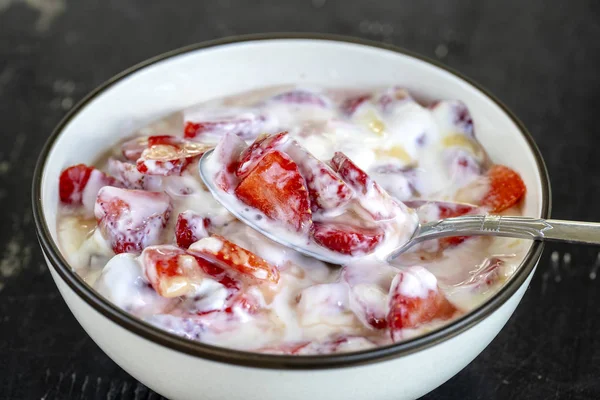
(273, 199)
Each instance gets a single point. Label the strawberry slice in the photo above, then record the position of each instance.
(347, 239)
(352, 104)
(414, 300)
(302, 97)
(227, 153)
(376, 201)
(79, 185)
(190, 228)
(276, 188)
(167, 269)
(133, 148)
(131, 219)
(218, 250)
(172, 272)
(325, 188)
(168, 155)
(506, 189)
(210, 123)
(261, 146)
(130, 178)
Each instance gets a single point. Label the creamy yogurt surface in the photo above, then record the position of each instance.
(337, 169)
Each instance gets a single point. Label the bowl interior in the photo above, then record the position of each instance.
(182, 80)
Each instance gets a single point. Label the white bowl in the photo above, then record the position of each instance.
(181, 369)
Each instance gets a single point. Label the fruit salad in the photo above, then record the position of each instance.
(344, 172)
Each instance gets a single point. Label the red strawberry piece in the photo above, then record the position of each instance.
(133, 148)
(217, 273)
(327, 191)
(72, 182)
(218, 250)
(245, 124)
(131, 219)
(261, 146)
(190, 228)
(347, 239)
(506, 189)
(79, 185)
(376, 201)
(303, 97)
(414, 300)
(168, 155)
(276, 188)
(352, 104)
(172, 272)
(130, 178)
(228, 153)
(161, 264)
(244, 303)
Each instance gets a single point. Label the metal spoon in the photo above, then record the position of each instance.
(469, 225)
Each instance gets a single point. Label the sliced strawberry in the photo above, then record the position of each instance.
(190, 228)
(133, 148)
(74, 180)
(276, 188)
(131, 219)
(347, 239)
(327, 191)
(168, 155)
(130, 178)
(217, 249)
(202, 124)
(166, 268)
(173, 272)
(227, 153)
(352, 104)
(506, 189)
(376, 201)
(414, 300)
(303, 97)
(218, 273)
(261, 146)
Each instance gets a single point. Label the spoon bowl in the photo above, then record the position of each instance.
(468, 225)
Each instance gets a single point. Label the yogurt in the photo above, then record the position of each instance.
(142, 228)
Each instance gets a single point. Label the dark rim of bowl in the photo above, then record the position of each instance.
(273, 361)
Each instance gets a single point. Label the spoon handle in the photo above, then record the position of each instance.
(507, 226)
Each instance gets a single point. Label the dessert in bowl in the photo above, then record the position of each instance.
(154, 269)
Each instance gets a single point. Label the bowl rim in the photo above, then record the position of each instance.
(274, 361)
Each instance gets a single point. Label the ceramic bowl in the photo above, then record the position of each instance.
(181, 369)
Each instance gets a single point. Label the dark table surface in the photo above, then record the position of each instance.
(541, 57)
